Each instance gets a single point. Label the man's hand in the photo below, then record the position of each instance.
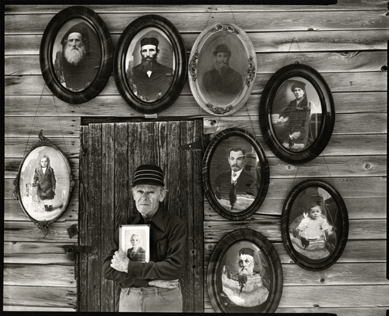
(120, 261)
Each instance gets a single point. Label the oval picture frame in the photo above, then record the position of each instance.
(228, 290)
(296, 131)
(314, 242)
(251, 181)
(220, 90)
(76, 82)
(150, 88)
(44, 196)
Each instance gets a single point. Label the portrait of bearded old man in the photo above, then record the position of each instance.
(78, 62)
(150, 79)
(222, 79)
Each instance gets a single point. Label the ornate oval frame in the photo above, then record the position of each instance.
(263, 173)
(248, 59)
(217, 263)
(32, 205)
(46, 53)
(180, 61)
(327, 113)
(340, 226)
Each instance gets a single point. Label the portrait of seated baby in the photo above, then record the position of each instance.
(312, 234)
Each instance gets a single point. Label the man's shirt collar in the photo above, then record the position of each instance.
(237, 174)
(158, 219)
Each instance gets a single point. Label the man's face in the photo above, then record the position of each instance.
(221, 60)
(75, 40)
(315, 212)
(75, 48)
(147, 198)
(298, 93)
(236, 160)
(135, 240)
(44, 162)
(246, 262)
(149, 52)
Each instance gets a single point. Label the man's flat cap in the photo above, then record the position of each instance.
(246, 251)
(149, 41)
(148, 174)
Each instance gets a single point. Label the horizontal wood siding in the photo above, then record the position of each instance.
(346, 43)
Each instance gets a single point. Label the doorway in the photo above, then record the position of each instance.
(110, 153)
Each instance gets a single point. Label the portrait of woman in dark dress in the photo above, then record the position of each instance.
(293, 123)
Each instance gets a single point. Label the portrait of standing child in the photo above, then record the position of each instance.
(45, 182)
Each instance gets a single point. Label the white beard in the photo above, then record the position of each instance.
(74, 56)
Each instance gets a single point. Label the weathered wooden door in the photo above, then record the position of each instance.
(110, 153)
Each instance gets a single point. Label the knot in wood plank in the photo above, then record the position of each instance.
(290, 167)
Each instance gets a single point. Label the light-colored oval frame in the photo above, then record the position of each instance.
(234, 106)
(43, 223)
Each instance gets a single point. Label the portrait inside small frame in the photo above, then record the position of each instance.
(150, 64)
(235, 173)
(296, 113)
(222, 69)
(244, 274)
(76, 55)
(314, 225)
(134, 240)
(44, 184)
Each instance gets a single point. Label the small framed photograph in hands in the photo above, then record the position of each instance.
(134, 240)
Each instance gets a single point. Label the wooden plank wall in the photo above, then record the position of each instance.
(346, 43)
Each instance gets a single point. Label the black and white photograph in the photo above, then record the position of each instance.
(245, 275)
(296, 107)
(236, 173)
(150, 64)
(222, 69)
(76, 54)
(250, 137)
(134, 240)
(315, 224)
(297, 114)
(45, 183)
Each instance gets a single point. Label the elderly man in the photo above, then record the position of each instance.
(150, 79)
(236, 182)
(246, 266)
(151, 286)
(77, 64)
(222, 79)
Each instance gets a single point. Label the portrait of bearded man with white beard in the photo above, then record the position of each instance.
(78, 63)
(222, 80)
(149, 80)
(246, 285)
